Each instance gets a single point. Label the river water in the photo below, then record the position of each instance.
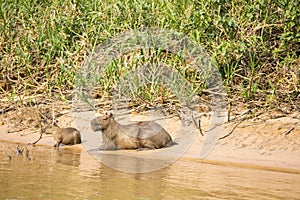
(71, 173)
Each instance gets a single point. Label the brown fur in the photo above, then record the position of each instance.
(139, 135)
(67, 136)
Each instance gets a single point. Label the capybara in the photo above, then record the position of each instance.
(67, 136)
(139, 135)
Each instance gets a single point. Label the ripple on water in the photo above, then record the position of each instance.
(70, 174)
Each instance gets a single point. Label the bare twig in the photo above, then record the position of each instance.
(15, 130)
(199, 124)
(33, 143)
(200, 127)
(229, 110)
(236, 125)
(291, 129)
(39, 115)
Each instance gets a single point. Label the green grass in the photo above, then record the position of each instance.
(255, 44)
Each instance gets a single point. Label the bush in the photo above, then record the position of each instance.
(254, 44)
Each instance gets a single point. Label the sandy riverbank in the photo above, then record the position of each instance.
(265, 144)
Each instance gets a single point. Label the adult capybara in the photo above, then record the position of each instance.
(67, 136)
(139, 135)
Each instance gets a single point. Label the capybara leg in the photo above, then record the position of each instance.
(56, 145)
(148, 145)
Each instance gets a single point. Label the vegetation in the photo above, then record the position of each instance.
(255, 44)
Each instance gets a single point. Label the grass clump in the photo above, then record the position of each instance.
(255, 44)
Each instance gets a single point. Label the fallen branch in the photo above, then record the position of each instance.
(199, 126)
(236, 125)
(33, 143)
(291, 129)
(39, 117)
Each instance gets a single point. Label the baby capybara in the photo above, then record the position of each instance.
(67, 136)
(139, 135)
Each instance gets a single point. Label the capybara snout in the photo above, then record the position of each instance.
(95, 126)
(100, 123)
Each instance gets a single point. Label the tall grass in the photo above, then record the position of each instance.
(255, 44)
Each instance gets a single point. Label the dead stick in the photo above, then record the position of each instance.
(200, 129)
(39, 115)
(289, 131)
(229, 110)
(41, 135)
(199, 125)
(236, 125)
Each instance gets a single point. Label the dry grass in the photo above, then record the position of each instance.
(254, 44)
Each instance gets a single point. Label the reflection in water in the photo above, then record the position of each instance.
(70, 173)
(67, 157)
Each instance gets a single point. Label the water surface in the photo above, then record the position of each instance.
(73, 174)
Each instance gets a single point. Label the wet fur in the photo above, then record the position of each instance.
(66, 136)
(139, 135)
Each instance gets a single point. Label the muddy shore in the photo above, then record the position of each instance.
(272, 144)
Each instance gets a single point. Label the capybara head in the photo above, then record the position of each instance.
(51, 128)
(102, 122)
